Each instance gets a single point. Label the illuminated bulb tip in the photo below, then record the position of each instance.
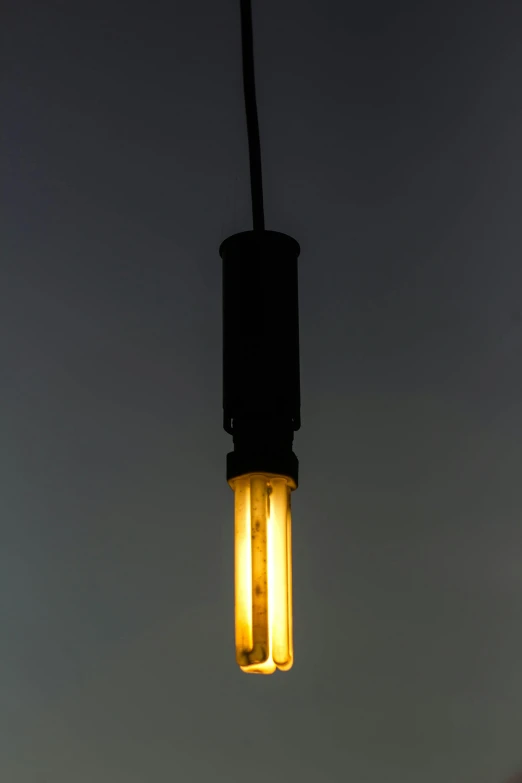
(263, 573)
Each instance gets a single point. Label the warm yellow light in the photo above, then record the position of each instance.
(263, 572)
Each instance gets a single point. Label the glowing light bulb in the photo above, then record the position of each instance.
(263, 572)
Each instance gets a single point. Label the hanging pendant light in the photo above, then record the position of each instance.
(261, 405)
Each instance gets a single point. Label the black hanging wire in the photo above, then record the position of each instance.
(249, 89)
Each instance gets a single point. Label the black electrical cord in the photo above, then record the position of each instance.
(249, 89)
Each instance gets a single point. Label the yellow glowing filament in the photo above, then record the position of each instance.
(263, 572)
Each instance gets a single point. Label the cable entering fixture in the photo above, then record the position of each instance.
(249, 89)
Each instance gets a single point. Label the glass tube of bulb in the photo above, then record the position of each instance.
(263, 572)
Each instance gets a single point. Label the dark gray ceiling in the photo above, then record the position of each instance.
(391, 140)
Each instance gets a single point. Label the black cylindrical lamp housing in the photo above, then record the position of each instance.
(261, 389)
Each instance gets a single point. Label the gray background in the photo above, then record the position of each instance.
(391, 140)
